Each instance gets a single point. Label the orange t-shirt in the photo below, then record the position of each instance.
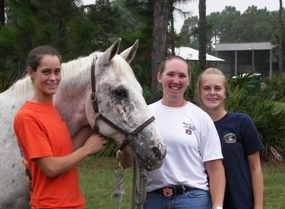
(41, 132)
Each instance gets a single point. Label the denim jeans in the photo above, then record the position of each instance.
(195, 199)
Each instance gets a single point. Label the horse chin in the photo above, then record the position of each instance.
(148, 164)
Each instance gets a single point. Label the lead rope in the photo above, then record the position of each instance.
(119, 192)
(139, 196)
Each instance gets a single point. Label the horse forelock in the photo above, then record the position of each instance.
(123, 70)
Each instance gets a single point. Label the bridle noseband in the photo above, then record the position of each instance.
(98, 115)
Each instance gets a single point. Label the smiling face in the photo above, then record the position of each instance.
(174, 79)
(46, 78)
(212, 92)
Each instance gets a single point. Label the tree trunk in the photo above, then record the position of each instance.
(202, 35)
(280, 39)
(2, 12)
(160, 24)
(172, 35)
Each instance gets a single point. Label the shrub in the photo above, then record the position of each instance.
(276, 87)
(260, 106)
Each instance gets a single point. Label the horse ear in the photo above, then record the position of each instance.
(130, 52)
(110, 52)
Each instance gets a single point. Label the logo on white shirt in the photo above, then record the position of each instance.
(189, 128)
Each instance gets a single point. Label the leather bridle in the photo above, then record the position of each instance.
(98, 115)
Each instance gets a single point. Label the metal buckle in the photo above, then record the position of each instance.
(93, 97)
(129, 137)
(167, 192)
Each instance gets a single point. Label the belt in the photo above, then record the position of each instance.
(172, 191)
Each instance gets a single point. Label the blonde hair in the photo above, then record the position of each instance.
(210, 71)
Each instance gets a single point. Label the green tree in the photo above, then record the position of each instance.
(280, 38)
(278, 43)
(93, 29)
(214, 20)
(190, 32)
(187, 38)
(257, 29)
(74, 29)
(230, 26)
(173, 37)
(29, 24)
(2, 12)
(227, 25)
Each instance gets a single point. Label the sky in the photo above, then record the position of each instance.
(218, 6)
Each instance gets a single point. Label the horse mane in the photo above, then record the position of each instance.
(21, 86)
(74, 67)
(121, 68)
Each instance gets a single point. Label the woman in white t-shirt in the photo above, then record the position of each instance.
(192, 174)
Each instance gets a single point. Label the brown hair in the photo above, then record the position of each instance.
(209, 71)
(162, 64)
(35, 55)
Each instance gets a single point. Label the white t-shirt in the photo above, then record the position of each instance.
(191, 139)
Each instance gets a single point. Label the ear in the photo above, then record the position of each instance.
(30, 72)
(108, 55)
(189, 80)
(227, 95)
(158, 77)
(130, 52)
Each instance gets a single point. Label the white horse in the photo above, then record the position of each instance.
(119, 99)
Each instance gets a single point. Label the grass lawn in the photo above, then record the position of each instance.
(274, 185)
(98, 181)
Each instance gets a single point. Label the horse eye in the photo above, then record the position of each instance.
(121, 93)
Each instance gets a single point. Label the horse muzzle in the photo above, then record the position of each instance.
(151, 159)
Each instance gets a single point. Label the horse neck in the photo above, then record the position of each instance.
(72, 95)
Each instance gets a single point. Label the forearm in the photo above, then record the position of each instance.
(257, 179)
(257, 186)
(53, 166)
(80, 138)
(217, 181)
(217, 188)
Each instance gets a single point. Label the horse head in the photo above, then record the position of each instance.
(122, 109)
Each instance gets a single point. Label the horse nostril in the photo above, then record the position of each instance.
(156, 152)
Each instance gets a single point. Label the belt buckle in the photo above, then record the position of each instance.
(168, 191)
